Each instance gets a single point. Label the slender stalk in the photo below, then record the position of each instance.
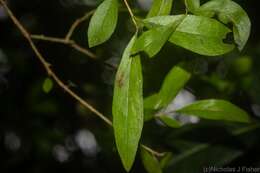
(50, 39)
(65, 41)
(155, 153)
(186, 7)
(131, 14)
(47, 66)
(77, 23)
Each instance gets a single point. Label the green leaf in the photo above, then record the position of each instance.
(103, 23)
(162, 20)
(47, 85)
(150, 101)
(216, 110)
(229, 11)
(153, 40)
(218, 83)
(242, 65)
(199, 34)
(149, 114)
(192, 5)
(128, 106)
(166, 159)
(160, 8)
(150, 162)
(169, 121)
(172, 84)
(202, 35)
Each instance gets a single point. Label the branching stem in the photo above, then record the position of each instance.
(48, 68)
(67, 40)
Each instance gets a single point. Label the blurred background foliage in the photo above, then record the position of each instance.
(43, 130)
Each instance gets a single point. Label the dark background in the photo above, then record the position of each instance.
(50, 132)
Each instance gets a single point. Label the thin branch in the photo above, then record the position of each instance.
(85, 17)
(47, 67)
(82, 50)
(131, 14)
(68, 42)
(77, 22)
(51, 73)
(50, 39)
(155, 153)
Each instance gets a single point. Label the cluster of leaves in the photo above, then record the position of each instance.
(202, 31)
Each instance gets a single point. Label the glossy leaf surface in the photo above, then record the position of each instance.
(103, 23)
(229, 12)
(216, 110)
(199, 34)
(128, 106)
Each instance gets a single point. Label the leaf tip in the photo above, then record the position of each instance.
(127, 163)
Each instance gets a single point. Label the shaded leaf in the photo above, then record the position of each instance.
(128, 106)
(202, 155)
(216, 110)
(229, 11)
(47, 85)
(242, 65)
(150, 162)
(199, 149)
(218, 83)
(160, 8)
(199, 34)
(166, 159)
(170, 121)
(103, 23)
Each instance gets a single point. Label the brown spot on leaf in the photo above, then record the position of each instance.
(119, 80)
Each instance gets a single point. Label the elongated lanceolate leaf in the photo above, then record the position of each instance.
(103, 23)
(128, 106)
(172, 84)
(216, 110)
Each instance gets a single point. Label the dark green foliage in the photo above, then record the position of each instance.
(191, 49)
